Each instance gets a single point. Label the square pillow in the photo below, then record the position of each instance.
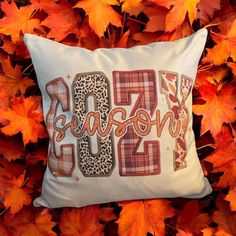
(119, 121)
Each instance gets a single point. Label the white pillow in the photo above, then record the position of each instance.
(119, 121)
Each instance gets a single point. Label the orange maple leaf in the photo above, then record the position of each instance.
(206, 10)
(123, 40)
(81, 222)
(178, 12)
(145, 37)
(140, 217)
(28, 223)
(62, 20)
(229, 176)
(208, 231)
(191, 219)
(17, 21)
(232, 66)
(38, 155)
(8, 46)
(101, 15)
(225, 219)
(183, 233)
(214, 76)
(225, 46)
(106, 214)
(6, 144)
(231, 197)
(5, 102)
(225, 149)
(18, 195)
(133, 7)
(11, 79)
(25, 116)
(183, 30)
(224, 159)
(8, 172)
(218, 107)
(157, 17)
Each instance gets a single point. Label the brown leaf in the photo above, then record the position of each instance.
(6, 144)
(191, 219)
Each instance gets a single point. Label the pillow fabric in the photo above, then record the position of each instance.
(119, 121)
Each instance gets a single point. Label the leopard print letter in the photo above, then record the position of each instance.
(93, 84)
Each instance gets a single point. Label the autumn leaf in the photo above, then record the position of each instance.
(5, 102)
(133, 7)
(232, 66)
(8, 172)
(225, 47)
(225, 219)
(7, 46)
(101, 15)
(206, 10)
(17, 196)
(157, 16)
(61, 20)
(222, 233)
(225, 149)
(208, 231)
(106, 214)
(178, 12)
(38, 155)
(6, 144)
(81, 222)
(17, 20)
(191, 219)
(229, 175)
(25, 117)
(213, 76)
(183, 233)
(183, 30)
(145, 38)
(140, 217)
(231, 197)
(224, 159)
(11, 79)
(123, 40)
(218, 107)
(112, 23)
(28, 223)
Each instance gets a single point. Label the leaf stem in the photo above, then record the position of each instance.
(26, 68)
(207, 145)
(140, 22)
(4, 211)
(145, 207)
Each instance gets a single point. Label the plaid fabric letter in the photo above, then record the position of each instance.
(61, 164)
(131, 161)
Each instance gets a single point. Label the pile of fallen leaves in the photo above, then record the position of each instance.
(116, 23)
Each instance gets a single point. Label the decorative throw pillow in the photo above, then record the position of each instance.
(119, 121)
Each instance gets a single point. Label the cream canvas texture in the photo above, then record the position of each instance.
(119, 121)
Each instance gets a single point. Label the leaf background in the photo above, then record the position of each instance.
(113, 23)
